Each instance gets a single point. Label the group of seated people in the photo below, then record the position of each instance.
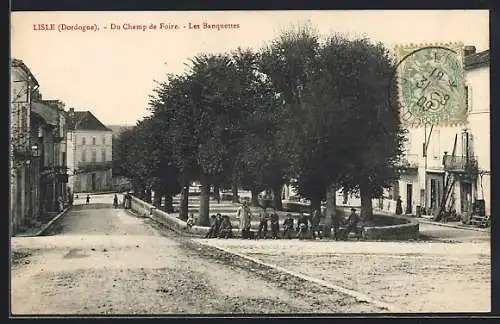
(220, 227)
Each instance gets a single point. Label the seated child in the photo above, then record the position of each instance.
(226, 228)
(275, 225)
(302, 226)
(190, 221)
(288, 226)
(214, 227)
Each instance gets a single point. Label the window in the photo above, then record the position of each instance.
(103, 155)
(104, 140)
(83, 141)
(93, 140)
(84, 156)
(467, 105)
(94, 155)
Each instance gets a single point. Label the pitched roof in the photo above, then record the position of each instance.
(48, 113)
(20, 64)
(477, 60)
(84, 120)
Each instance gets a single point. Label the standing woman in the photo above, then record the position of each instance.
(243, 213)
(115, 201)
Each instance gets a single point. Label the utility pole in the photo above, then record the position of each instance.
(425, 148)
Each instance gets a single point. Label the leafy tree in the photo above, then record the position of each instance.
(288, 62)
(353, 82)
(172, 104)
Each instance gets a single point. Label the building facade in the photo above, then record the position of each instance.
(448, 167)
(49, 135)
(23, 87)
(89, 153)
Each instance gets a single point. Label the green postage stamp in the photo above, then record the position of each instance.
(431, 84)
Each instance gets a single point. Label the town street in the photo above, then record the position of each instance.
(101, 260)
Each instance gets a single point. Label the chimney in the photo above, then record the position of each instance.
(71, 112)
(469, 50)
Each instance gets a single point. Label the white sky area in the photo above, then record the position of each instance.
(112, 72)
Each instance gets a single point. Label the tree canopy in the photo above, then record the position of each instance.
(305, 110)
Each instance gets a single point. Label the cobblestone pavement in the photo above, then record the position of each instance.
(415, 276)
(99, 260)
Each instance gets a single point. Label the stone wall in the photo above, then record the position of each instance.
(404, 228)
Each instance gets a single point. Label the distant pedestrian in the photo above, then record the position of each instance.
(399, 206)
(353, 222)
(243, 214)
(275, 225)
(87, 200)
(60, 203)
(263, 218)
(115, 201)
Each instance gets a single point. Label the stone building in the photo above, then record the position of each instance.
(49, 135)
(457, 162)
(23, 88)
(89, 153)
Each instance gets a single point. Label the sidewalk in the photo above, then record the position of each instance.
(42, 227)
(458, 225)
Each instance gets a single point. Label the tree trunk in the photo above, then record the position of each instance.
(203, 215)
(331, 209)
(255, 197)
(157, 199)
(315, 204)
(183, 213)
(234, 185)
(366, 203)
(169, 204)
(277, 197)
(216, 192)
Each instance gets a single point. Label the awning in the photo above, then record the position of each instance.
(48, 113)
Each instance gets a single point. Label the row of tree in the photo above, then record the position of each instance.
(321, 114)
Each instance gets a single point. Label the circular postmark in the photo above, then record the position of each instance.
(431, 85)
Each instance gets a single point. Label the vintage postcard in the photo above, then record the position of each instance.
(250, 162)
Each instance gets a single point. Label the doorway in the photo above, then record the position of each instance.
(465, 196)
(409, 198)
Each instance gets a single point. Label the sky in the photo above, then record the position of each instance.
(112, 72)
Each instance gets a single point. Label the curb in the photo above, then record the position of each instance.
(46, 226)
(454, 226)
(357, 295)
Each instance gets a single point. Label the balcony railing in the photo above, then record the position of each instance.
(54, 169)
(462, 164)
(84, 167)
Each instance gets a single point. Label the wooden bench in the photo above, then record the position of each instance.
(480, 221)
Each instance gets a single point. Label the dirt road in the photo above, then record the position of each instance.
(100, 260)
(415, 276)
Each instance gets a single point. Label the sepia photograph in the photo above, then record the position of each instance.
(245, 163)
